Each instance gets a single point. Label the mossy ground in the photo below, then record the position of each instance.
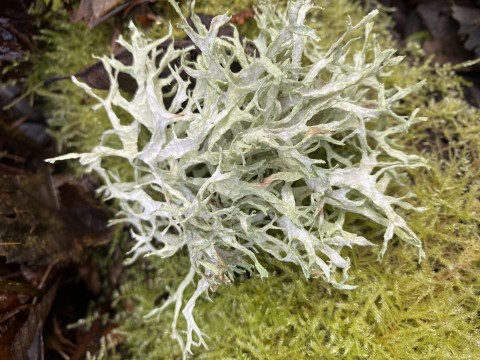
(400, 310)
(64, 49)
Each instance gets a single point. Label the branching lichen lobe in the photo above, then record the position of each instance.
(270, 157)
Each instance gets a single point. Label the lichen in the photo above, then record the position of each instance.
(283, 146)
(400, 310)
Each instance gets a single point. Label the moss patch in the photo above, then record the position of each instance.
(64, 49)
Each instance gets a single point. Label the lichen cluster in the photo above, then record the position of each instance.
(400, 310)
(278, 145)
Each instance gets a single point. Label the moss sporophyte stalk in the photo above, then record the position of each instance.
(269, 144)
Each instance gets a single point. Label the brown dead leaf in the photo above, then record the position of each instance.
(48, 225)
(469, 20)
(94, 12)
(28, 341)
(242, 16)
(16, 30)
(97, 77)
(444, 43)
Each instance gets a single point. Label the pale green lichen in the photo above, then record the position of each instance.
(275, 156)
(400, 310)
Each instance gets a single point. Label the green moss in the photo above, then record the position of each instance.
(65, 48)
(389, 317)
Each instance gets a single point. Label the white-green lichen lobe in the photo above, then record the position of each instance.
(269, 155)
